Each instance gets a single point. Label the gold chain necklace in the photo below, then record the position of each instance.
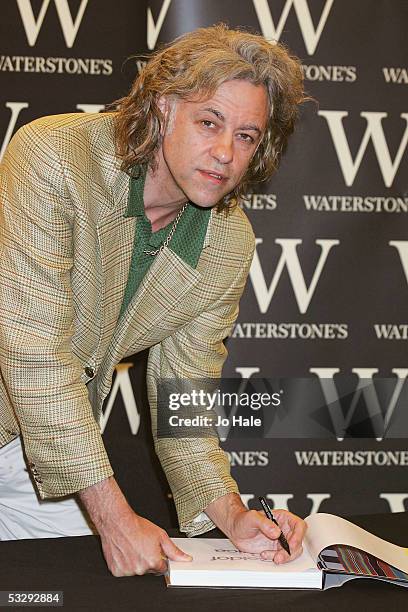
(170, 235)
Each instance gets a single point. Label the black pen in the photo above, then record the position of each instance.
(282, 540)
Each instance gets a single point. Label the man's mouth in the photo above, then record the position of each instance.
(215, 177)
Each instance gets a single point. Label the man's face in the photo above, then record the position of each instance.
(209, 144)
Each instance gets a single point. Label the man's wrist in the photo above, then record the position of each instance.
(104, 502)
(224, 511)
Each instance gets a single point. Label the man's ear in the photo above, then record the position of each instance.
(164, 105)
(168, 107)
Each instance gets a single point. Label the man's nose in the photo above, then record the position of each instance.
(223, 149)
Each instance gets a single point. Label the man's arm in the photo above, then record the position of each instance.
(62, 441)
(131, 544)
(197, 469)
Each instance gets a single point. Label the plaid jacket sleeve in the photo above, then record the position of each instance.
(42, 376)
(197, 469)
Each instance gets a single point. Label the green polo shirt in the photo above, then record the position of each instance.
(187, 241)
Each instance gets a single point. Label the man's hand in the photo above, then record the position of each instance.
(251, 531)
(131, 544)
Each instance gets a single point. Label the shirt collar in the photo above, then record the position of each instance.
(135, 205)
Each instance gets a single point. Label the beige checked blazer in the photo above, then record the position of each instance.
(65, 250)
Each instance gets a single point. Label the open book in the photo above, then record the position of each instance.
(335, 551)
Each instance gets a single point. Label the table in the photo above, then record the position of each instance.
(76, 566)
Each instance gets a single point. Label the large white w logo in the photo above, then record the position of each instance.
(123, 384)
(402, 248)
(340, 421)
(311, 36)
(153, 29)
(374, 131)
(16, 108)
(69, 26)
(289, 259)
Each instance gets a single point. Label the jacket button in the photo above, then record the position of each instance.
(90, 372)
(11, 432)
(38, 480)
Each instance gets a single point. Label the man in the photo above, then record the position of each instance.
(121, 231)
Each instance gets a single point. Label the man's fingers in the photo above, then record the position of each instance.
(172, 552)
(295, 540)
(294, 529)
(268, 528)
(160, 568)
(157, 566)
(297, 531)
(283, 557)
(268, 555)
(292, 526)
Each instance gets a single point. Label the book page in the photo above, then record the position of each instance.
(325, 530)
(219, 554)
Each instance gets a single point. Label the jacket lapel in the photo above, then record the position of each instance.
(168, 280)
(115, 238)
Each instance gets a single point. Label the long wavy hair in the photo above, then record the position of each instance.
(192, 67)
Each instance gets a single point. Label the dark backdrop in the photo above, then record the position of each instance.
(327, 294)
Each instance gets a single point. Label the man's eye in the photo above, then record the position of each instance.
(246, 138)
(207, 123)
